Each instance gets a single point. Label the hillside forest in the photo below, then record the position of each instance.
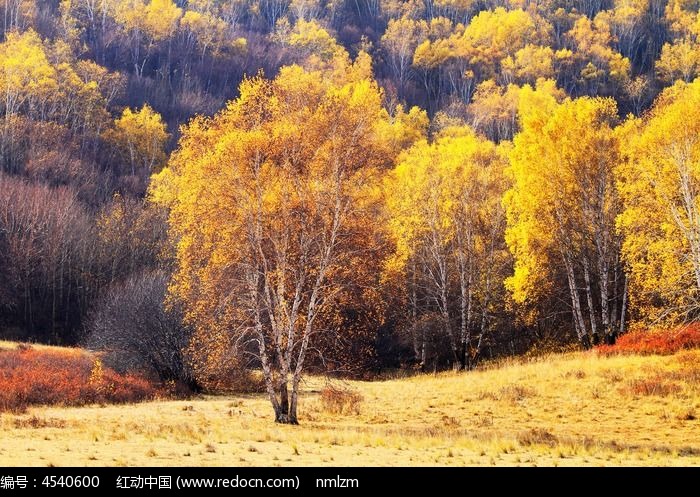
(205, 187)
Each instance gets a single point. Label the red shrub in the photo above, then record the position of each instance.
(662, 342)
(70, 378)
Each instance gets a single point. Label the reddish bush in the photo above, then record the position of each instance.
(70, 378)
(662, 342)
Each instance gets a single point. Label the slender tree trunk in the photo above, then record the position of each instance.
(417, 346)
(623, 311)
(579, 323)
(614, 321)
(465, 284)
(604, 296)
(589, 298)
(446, 321)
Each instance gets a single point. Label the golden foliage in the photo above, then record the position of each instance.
(273, 208)
(563, 203)
(140, 137)
(659, 180)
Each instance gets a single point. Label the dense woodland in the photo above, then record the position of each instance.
(347, 184)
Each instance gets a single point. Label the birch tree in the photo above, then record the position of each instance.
(562, 209)
(273, 202)
(447, 223)
(659, 180)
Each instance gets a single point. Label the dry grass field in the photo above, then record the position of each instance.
(574, 409)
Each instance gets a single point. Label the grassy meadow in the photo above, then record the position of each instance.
(560, 410)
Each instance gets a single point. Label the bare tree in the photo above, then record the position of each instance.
(139, 332)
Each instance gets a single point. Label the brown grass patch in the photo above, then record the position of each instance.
(515, 393)
(537, 436)
(35, 422)
(341, 400)
(656, 385)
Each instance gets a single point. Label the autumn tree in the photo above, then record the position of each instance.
(561, 212)
(400, 40)
(528, 64)
(272, 204)
(589, 64)
(679, 60)
(43, 81)
(630, 24)
(475, 52)
(447, 222)
(27, 79)
(494, 109)
(140, 138)
(659, 181)
(146, 24)
(314, 45)
(680, 54)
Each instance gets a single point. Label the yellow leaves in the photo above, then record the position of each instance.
(194, 21)
(161, 18)
(158, 18)
(659, 180)
(681, 17)
(404, 31)
(593, 58)
(403, 129)
(680, 60)
(488, 40)
(44, 81)
(25, 71)
(140, 138)
(212, 33)
(429, 55)
(562, 151)
(499, 33)
(536, 105)
(530, 63)
(401, 38)
(439, 188)
(257, 189)
(312, 39)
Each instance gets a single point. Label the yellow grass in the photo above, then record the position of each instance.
(4, 344)
(575, 409)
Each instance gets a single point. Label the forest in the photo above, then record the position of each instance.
(204, 187)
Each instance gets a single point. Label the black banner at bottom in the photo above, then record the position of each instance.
(307, 480)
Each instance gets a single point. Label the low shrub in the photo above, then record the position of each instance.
(338, 400)
(660, 342)
(65, 377)
(514, 393)
(655, 385)
(537, 436)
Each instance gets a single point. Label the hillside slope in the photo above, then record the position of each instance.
(575, 409)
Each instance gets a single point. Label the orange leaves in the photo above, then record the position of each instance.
(37, 377)
(659, 341)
